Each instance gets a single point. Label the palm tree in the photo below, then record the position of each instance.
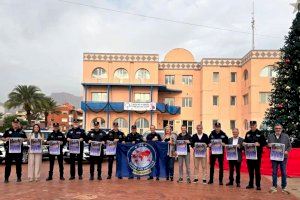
(26, 96)
(48, 106)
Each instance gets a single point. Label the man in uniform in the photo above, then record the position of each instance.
(117, 136)
(98, 135)
(76, 133)
(217, 133)
(14, 132)
(56, 135)
(257, 137)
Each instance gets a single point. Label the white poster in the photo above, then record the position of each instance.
(139, 106)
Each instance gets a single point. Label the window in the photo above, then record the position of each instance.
(215, 100)
(121, 74)
(169, 79)
(99, 96)
(186, 102)
(142, 123)
(169, 123)
(189, 125)
(264, 97)
(213, 122)
(99, 73)
(216, 76)
(233, 77)
(232, 124)
(245, 74)
(100, 120)
(233, 100)
(267, 72)
(187, 79)
(142, 74)
(246, 99)
(121, 122)
(142, 97)
(170, 101)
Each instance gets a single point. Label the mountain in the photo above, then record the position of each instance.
(63, 97)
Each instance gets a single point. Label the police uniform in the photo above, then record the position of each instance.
(76, 133)
(17, 157)
(100, 136)
(134, 137)
(220, 157)
(254, 165)
(57, 136)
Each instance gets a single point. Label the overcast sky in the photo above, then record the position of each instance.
(42, 41)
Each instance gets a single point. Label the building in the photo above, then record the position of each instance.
(179, 89)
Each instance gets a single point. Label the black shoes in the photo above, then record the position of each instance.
(109, 177)
(195, 180)
(99, 178)
(229, 184)
(72, 178)
(120, 177)
(249, 187)
(188, 180)
(138, 178)
(6, 181)
(49, 178)
(62, 178)
(258, 188)
(91, 178)
(171, 178)
(157, 178)
(150, 178)
(210, 182)
(238, 185)
(220, 183)
(80, 177)
(204, 182)
(167, 178)
(130, 177)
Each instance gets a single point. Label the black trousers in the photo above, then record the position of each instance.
(60, 163)
(8, 161)
(254, 167)
(79, 163)
(213, 159)
(110, 164)
(95, 160)
(237, 165)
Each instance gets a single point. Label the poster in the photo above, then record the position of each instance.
(15, 145)
(277, 151)
(74, 146)
(250, 151)
(36, 145)
(54, 147)
(111, 148)
(216, 146)
(200, 150)
(231, 152)
(95, 148)
(171, 150)
(181, 148)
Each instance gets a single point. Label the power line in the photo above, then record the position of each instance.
(165, 19)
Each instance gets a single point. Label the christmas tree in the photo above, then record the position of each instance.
(285, 97)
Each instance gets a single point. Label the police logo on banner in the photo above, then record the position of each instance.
(141, 158)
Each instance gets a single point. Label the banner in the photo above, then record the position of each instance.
(54, 147)
(95, 148)
(139, 106)
(36, 145)
(181, 148)
(111, 147)
(277, 151)
(216, 146)
(15, 145)
(200, 150)
(231, 151)
(250, 151)
(74, 146)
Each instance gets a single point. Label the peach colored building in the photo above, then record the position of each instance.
(232, 91)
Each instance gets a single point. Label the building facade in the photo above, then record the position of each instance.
(232, 91)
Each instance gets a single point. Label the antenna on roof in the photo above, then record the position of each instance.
(253, 26)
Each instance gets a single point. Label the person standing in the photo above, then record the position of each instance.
(186, 137)
(56, 135)
(217, 133)
(255, 136)
(35, 159)
(14, 132)
(282, 138)
(98, 135)
(200, 137)
(171, 139)
(238, 142)
(79, 134)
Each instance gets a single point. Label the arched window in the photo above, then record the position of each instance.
(121, 73)
(121, 122)
(142, 74)
(100, 120)
(246, 74)
(99, 73)
(267, 72)
(142, 123)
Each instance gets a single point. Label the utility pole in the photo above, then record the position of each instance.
(253, 26)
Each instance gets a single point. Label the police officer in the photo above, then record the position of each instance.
(257, 137)
(217, 133)
(14, 132)
(76, 133)
(117, 136)
(56, 135)
(99, 135)
(134, 137)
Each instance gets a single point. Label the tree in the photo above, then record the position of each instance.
(1, 115)
(48, 106)
(8, 120)
(27, 97)
(285, 97)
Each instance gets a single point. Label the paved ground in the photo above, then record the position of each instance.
(124, 189)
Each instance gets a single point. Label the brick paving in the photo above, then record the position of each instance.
(125, 189)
